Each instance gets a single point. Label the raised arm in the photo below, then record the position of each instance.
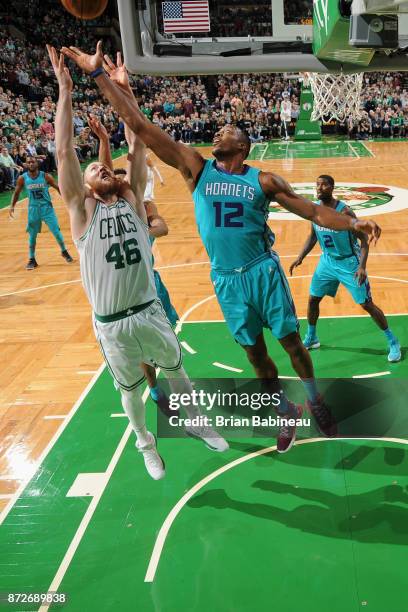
(70, 176)
(307, 247)
(276, 188)
(187, 160)
(19, 188)
(136, 170)
(157, 225)
(101, 133)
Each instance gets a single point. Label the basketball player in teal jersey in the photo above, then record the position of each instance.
(231, 205)
(40, 208)
(343, 261)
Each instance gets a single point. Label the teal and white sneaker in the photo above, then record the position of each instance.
(311, 342)
(395, 351)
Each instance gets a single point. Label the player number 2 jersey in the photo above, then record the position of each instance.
(116, 259)
(231, 211)
(338, 244)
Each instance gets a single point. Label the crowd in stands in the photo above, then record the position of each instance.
(298, 11)
(28, 88)
(190, 109)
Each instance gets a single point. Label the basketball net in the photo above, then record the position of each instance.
(336, 96)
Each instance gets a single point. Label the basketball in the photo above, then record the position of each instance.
(85, 9)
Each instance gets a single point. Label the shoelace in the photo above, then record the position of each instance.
(285, 431)
(321, 414)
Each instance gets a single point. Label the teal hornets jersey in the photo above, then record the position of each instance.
(337, 243)
(231, 211)
(37, 189)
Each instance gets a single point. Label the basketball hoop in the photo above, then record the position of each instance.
(336, 96)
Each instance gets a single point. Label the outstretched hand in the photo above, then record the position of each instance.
(61, 71)
(370, 228)
(97, 127)
(87, 62)
(118, 73)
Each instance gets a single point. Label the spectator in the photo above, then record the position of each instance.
(9, 167)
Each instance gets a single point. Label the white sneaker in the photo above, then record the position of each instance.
(212, 439)
(153, 462)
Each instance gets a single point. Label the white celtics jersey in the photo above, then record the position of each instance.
(116, 259)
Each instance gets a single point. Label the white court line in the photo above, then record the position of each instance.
(6, 495)
(118, 415)
(217, 364)
(353, 150)
(187, 347)
(263, 153)
(9, 477)
(40, 287)
(352, 316)
(368, 149)
(206, 263)
(86, 519)
(165, 528)
(289, 377)
(50, 444)
(50, 417)
(83, 372)
(372, 375)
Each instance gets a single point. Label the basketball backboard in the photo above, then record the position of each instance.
(238, 37)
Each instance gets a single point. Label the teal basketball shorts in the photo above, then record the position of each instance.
(330, 273)
(254, 297)
(39, 213)
(164, 297)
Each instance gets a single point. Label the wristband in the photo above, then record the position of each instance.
(353, 221)
(97, 72)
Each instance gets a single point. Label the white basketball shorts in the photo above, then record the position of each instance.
(146, 336)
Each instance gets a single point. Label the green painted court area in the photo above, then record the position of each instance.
(309, 150)
(322, 527)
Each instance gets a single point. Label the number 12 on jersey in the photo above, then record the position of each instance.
(228, 219)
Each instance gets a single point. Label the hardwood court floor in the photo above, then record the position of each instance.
(48, 351)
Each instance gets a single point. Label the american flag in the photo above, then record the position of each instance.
(186, 16)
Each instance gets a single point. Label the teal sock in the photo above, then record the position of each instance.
(155, 393)
(286, 408)
(389, 335)
(311, 330)
(311, 389)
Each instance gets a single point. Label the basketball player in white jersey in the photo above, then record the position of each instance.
(157, 228)
(109, 228)
(286, 113)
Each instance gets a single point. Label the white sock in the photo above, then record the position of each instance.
(136, 412)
